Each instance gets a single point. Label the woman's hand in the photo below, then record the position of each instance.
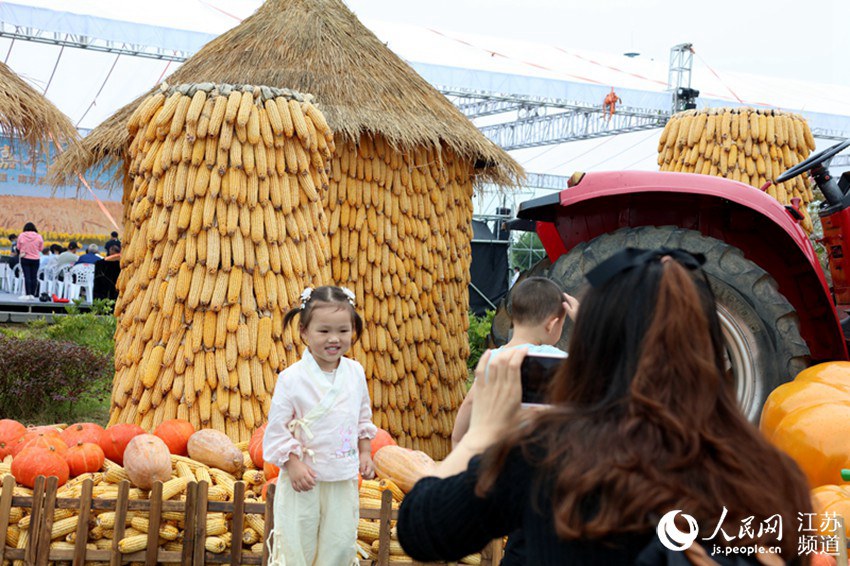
(497, 396)
(301, 476)
(571, 305)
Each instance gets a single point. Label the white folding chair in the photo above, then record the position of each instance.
(61, 280)
(5, 273)
(46, 279)
(18, 286)
(82, 279)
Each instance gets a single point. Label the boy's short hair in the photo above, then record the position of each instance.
(535, 299)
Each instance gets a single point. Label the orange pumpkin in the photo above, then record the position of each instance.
(175, 433)
(41, 438)
(82, 433)
(266, 485)
(10, 432)
(819, 559)
(255, 446)
(402, 465)
(270, 470)
(382, 438)
(809, 419)
(83, 458)
(33, 462)
(147, 460)
(115, 439)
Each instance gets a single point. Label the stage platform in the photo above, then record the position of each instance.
(13, 309)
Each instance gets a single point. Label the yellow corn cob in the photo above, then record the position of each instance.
(368, 530)
(256, 522)
(216, 524)
(132, 543)
(166, 531)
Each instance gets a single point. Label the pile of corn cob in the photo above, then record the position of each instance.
(219, 536)
(223, 228)
(400, 231)
(749, 145)
(368, 530)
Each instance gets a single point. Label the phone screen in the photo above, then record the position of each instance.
(536, 373)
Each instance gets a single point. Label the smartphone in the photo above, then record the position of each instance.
(536, 373)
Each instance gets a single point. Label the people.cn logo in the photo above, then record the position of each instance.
(670, 535)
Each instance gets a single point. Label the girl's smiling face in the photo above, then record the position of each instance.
(328, 336)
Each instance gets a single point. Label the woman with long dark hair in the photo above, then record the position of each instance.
(642, 425)
(30, 244)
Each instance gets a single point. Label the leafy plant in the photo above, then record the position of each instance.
(44, 380)
(479, 330)
(85, 329)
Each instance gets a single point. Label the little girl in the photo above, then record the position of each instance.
(319, 434)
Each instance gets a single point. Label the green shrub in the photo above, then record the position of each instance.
(44, 381)
(94, 329)
(479, 330)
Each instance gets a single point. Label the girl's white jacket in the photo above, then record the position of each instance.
(319, 419)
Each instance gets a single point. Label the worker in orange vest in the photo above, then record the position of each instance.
(610, 103)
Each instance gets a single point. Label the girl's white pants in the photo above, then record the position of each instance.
(316, 527)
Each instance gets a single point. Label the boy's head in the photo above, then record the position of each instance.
(537, 304)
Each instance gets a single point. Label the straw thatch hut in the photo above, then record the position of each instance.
(399, 197)
(26, 114)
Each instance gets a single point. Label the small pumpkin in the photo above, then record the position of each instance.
(147, 460)
(175, 433)
(83, 458)
(255, 446)
(270, 470)
(382, 438)
(10, 432)
(82, 433)
(215, 449)
(35, 461)
(266, 485)
(809, 419)
(402, 465)
(115, 439)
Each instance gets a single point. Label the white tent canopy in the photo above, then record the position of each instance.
(90, 84)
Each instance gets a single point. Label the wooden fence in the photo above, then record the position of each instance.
(194, 508)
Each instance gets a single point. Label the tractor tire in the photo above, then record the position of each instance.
(761, 330)
(500, 331)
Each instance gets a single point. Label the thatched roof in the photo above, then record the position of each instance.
(26, 114)
(319, 47)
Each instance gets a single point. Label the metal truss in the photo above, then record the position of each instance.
(546, 181)
(537, 121)
(825, 134)
(840, 161)
(36, 35)
(572, 125)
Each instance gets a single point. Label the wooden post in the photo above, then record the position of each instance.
(5, 509)
(37, 496)
(120, 520)
(200, 533)
(842, 541)
(48, 509)
(384, 528)
(189, 524)
(83, 526)
(237, 524)
(268, 522)
(154, 519)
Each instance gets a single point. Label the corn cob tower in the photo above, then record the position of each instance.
(224, 227)
(404, 165)
(400, 226)
(744, 144)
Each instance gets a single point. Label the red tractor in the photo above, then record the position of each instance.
(778, 313)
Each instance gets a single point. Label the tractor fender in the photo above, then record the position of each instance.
(727, 210)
